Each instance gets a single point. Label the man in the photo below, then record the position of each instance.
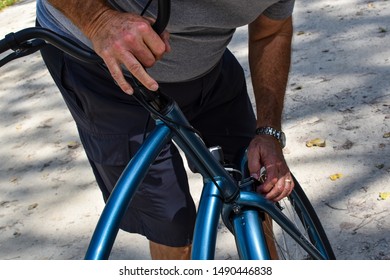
(189, 62)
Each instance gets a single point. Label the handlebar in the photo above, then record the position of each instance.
(19, 41)
(30, 40)
(163, 15)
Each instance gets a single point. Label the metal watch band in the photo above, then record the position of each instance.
(278, 134)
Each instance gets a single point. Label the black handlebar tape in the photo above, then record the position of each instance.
(13, 40)
(163, 14)
(8, 42)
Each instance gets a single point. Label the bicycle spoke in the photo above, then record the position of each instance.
(287, 247)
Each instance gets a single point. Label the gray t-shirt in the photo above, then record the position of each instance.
(199, 30)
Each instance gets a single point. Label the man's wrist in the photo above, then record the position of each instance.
(268, 130)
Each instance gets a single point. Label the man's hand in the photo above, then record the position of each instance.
(128, 40)
(265, 151)
(121, 39)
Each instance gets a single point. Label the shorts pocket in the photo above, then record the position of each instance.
(106, 149)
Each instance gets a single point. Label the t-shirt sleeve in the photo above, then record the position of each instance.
(280, 10)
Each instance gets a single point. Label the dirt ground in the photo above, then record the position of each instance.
(339, 91)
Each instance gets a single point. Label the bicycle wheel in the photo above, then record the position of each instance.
(299, 210)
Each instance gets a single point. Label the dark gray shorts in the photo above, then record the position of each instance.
(112, 126)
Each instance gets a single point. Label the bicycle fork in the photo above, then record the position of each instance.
(246, 223)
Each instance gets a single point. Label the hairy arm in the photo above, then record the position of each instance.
(119, 38)
(84, 14)
(269, 61)
(269, 58)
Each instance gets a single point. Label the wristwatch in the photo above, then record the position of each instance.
(278, 134)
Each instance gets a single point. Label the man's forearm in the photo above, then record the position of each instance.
(269, 59)
(85, 14)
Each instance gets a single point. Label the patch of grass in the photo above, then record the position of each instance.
(5, 3)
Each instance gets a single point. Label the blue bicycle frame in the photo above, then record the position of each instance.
(221, 194)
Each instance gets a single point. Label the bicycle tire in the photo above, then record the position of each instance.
(299, 210)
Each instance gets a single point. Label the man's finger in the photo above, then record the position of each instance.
(139, 72)
(117, 75)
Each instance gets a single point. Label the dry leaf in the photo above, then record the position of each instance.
(14, 180)
(73, 145)
(336, 176)
(317, 142)
(384, 195)
(380, 166)
(386, 135)
(32, 206)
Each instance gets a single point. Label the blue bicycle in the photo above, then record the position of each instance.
(228, 193)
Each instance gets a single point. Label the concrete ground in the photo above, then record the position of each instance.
(338, 91)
